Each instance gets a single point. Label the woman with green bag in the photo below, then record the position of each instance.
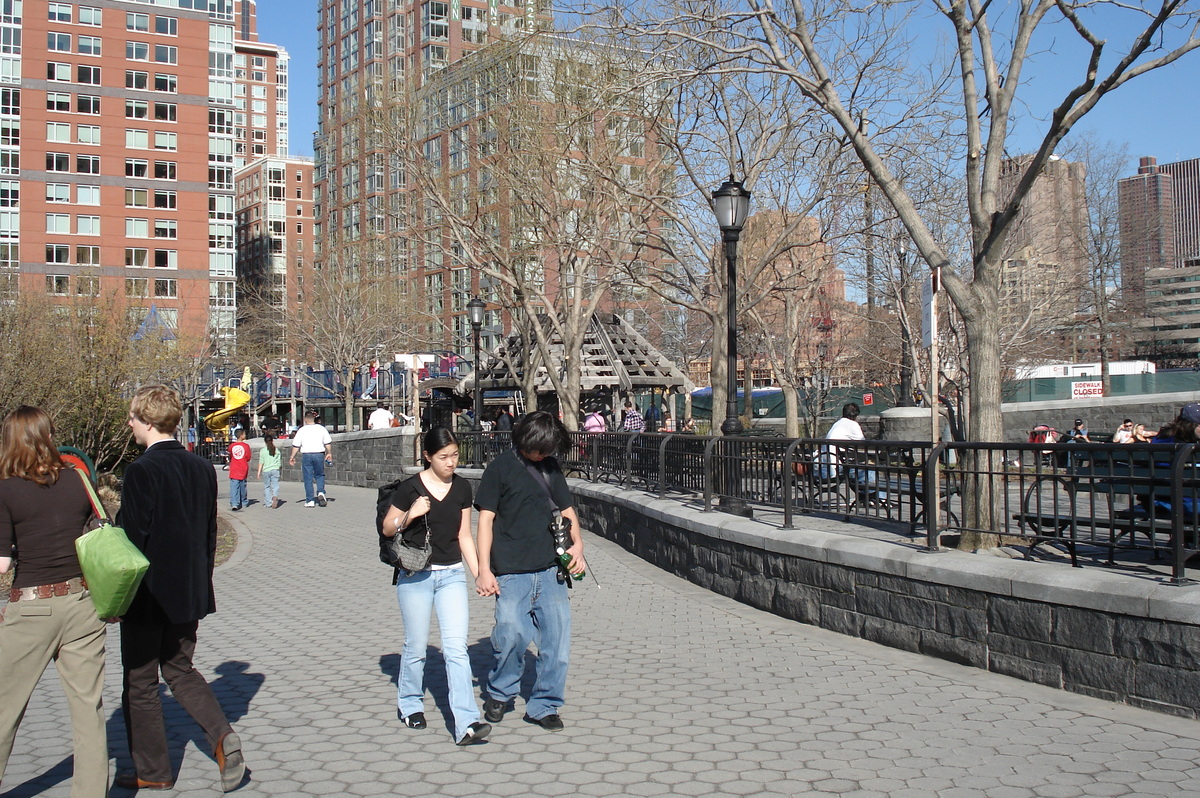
(50, 615)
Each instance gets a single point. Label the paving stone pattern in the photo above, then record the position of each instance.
(674, 691)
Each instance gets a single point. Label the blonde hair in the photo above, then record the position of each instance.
(26, 446)
(159, 406)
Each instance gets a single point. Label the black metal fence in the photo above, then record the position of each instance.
(1096, 500)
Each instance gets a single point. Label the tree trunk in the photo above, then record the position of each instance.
(791, 409)
(348, 384)
(980, 504)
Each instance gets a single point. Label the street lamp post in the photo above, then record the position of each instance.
(731, 204)
(475, 310)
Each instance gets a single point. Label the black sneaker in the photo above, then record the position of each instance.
(475, 733)
(414, 721)
(549, 723)
(493, 710)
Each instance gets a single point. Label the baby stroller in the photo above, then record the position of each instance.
(1043, 433)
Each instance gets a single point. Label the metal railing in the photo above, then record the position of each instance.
(1098, 499)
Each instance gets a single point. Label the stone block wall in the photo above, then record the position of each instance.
(364, 459)
(1086, 631)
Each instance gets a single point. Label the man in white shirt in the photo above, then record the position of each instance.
(845, 428)
(315, 447)
(381, 418)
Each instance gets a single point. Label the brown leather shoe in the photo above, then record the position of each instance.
(130, 781)
(230, 761)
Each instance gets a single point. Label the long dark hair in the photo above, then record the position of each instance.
(269, 441)
(26, 446)
(436, 439)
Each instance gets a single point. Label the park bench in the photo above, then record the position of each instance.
(1127, 492)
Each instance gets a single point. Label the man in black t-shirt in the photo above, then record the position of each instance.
(517, 497)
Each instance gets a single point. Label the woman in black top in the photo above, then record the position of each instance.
(43, 508)
(438, 503)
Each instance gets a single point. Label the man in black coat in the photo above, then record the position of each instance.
(169, 511)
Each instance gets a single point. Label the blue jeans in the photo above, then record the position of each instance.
(419, 595)
(237, 493)
(270, 486)
(532, 607)
(313, 468)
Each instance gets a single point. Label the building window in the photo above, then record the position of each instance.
(58, 131)
(87, 255)
(59, 12)
(166, 54)
(87, 104)
(88, 74)
(166, 289)
(135, 286)
(165, 199)
(58, 223)
(87, 225)
(58, 253)
(164, 112)
(87, 195)
(167, 26)
(91, 16)
(58, 71)
(165, 141)
(137, 198)
(164, 82)
(87, 285)
(10, 133)
(58, 284)
(137, 51)
(87, 134)
(58, 101)
(89, 45)
(58, 192)
(58, 162)
(166, 228)
(136, 80)
(164, 170)
(166, 259)
(137, 22)
(137, 228)
(136, 257)
(137, 109)
(58, 42)
(135, 167)
(87, 164)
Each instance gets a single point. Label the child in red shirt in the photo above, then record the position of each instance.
(239, 470)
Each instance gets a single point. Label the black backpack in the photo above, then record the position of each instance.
(382, 504)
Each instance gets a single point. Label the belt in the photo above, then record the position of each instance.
(73, 585)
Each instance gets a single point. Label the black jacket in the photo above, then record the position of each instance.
(169, 511)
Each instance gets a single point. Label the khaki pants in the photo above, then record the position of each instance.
(64, 629)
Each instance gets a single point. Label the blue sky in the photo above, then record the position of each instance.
(1157, 114)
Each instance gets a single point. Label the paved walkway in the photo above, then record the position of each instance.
(673, 691)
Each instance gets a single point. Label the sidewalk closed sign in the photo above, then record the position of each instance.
(1087, 390)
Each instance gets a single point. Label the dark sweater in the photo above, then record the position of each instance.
(42, 522)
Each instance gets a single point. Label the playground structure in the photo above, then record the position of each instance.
(235, 399)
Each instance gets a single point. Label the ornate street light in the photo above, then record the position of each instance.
(475, 309)
(731, 204)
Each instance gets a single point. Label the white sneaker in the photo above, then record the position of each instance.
(310, 504)
(321, 499)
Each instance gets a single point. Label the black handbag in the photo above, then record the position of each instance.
(407, 556)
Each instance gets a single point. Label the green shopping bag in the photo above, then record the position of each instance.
(112, 566)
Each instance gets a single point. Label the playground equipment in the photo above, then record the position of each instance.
(235, 400)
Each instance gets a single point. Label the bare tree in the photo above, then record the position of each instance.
(853, 61)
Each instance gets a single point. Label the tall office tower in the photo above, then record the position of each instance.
(127, 156)
(274, 250)
(260, 70)
(1146, 211)
(1046, 251)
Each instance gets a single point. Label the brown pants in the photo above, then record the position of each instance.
(64, 629)
(145, 649)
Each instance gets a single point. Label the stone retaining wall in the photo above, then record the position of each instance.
(363, 459)
(1085, 630)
